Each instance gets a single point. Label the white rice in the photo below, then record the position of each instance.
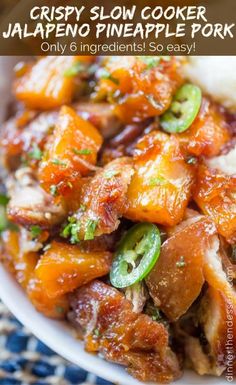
(216, 76)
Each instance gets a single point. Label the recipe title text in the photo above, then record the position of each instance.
(119, 22)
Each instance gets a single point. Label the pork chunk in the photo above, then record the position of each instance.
(112, 328)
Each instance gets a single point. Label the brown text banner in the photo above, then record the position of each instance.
(181, 27)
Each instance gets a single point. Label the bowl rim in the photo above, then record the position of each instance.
(50, 331)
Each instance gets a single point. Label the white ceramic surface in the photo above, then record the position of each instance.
(57, 335)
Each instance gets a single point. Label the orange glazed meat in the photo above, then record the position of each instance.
(71, 151)
(63, 268)
(19, 262)
(215, 194)
(22, 265)
(44, 85)
(29, 130)
(139, 87)
(51, 307)
(208, 133)
(161, 186)
(218, 319)
(178, 276)
(111, 327)
(104, 197)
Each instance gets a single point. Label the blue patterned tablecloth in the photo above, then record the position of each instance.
(24, 360)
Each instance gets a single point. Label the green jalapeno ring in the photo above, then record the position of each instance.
(183, 110)
(141, 243)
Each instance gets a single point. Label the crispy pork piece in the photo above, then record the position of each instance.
(176, 280)
(71, 152)
(113, 329)
(139, 87)
(45, 85)
(215, 318)
(55, 308)
(12, 138)
(18, 261)
(30, 204)
(63, 268)
(104, 199)
(19, 255)
(218, 320)
(215, 194)
(161, 186)
(124, 143)
(208, 133)
(19, 137)
(196, 358)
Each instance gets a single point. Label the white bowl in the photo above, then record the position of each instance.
(60, 338)
(58, 335)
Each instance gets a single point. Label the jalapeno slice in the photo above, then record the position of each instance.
(183, 110)
(136, 255)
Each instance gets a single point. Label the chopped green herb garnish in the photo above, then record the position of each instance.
(153, 61)
(90, 228)
(156, 315)
(156, 181)
(24, 161)
(104, 74)
(36, 153)
(150, 61)
(67, 229)
(74, 233)
(4, 222)
(3, 200)
(85, 151)
(191, 160)
(152, 311)
(35, 231)
(69, 184)
(75, 69)
(59, 162)
(96, 332)
(71, 230)
(110, 173)
(82, 207)
(3, 219)
(181, 262)
(53, 190)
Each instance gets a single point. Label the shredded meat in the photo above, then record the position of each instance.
(138, 295)
(215, 317)
(30, 204)
(123, 336)
(196, 357)
(218, 319)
